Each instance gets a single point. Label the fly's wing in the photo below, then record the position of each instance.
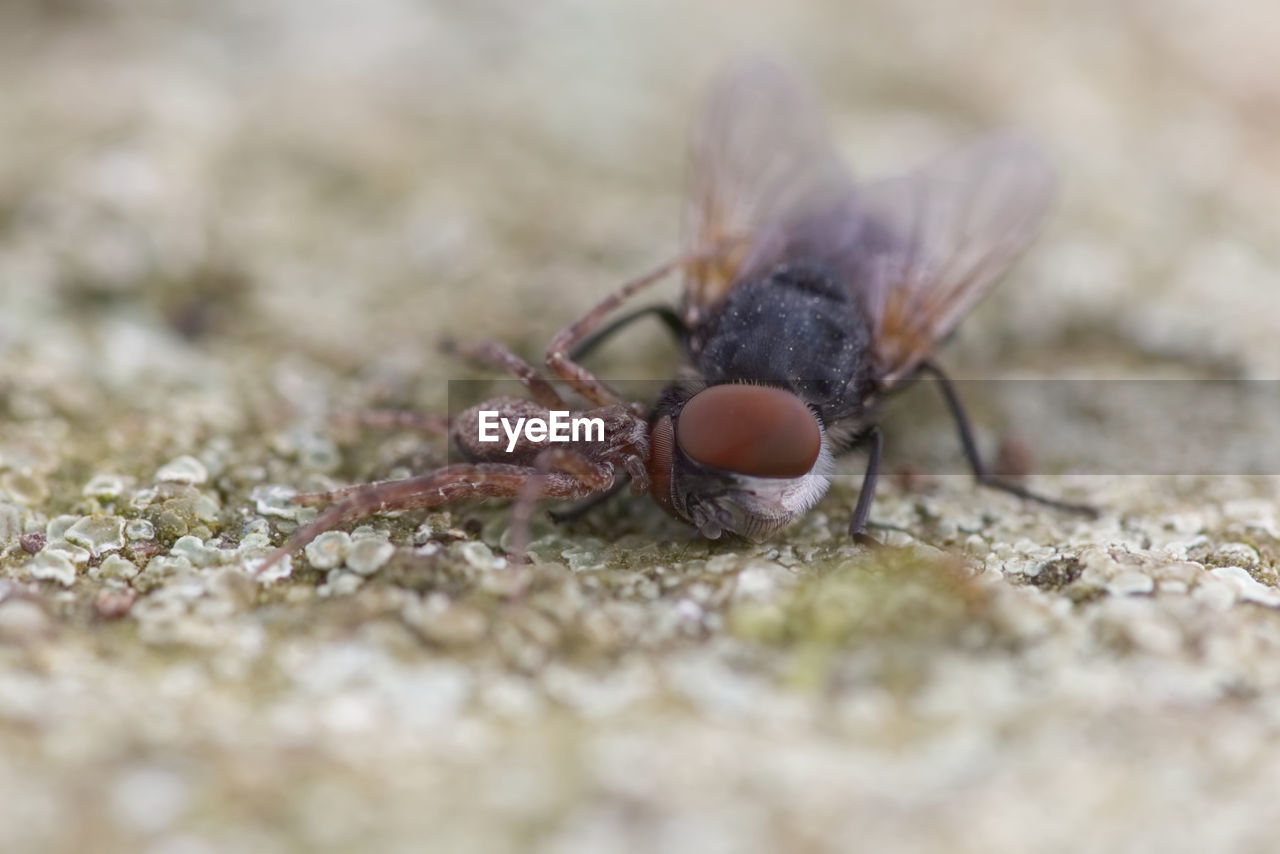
(916, 251)
(933, 241)
(760, 154)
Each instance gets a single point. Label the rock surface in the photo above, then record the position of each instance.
(223, 227)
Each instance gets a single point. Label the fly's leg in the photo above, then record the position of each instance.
(428, 491)
(861, 510)
(669, 316)
(558, 356)
(980, 471)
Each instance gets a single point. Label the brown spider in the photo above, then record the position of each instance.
(528, 471)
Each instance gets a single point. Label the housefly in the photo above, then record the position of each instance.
(808, 300)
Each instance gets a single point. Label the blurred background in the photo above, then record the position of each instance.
(218, 220)
(269, 173)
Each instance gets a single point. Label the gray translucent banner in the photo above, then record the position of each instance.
(1031, 426)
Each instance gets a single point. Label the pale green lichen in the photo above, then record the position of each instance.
(73, 552)
(98, 534)
(53, 565)
(115, 566)
(194, 550)
(328, 550)
(139, 529)
(184, 469)
(104, 486)
(368, 554)
(24, 487)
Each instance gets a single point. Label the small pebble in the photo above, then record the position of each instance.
(144, 550)
(341, 583)
(257, 525)
(139, 529)
(112, 604)
(104, 486)
(32, 542)
(115, 566)
(328, 550)
(184, 469)
(254, 541)
(368, 555)
(275, 500)
(71, 551)
(205, 508)
(194, 550)
(165, 566)
(1247, 587)
(281, 570)
(53, 566)
(435, 526)
(481, 556)
(142, 498)
(58, 526)
(579, 559)
(1131, 583)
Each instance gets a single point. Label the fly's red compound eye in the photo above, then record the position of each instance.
(748, 429)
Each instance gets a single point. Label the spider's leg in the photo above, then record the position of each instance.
(594, 477)
(559, 353)
(436, 489)
(493, 354)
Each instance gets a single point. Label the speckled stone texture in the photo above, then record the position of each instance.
(224, 227)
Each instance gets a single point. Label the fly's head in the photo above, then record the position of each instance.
(745, 460)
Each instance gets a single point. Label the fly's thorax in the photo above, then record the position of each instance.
(739, 459)
(795, 326)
